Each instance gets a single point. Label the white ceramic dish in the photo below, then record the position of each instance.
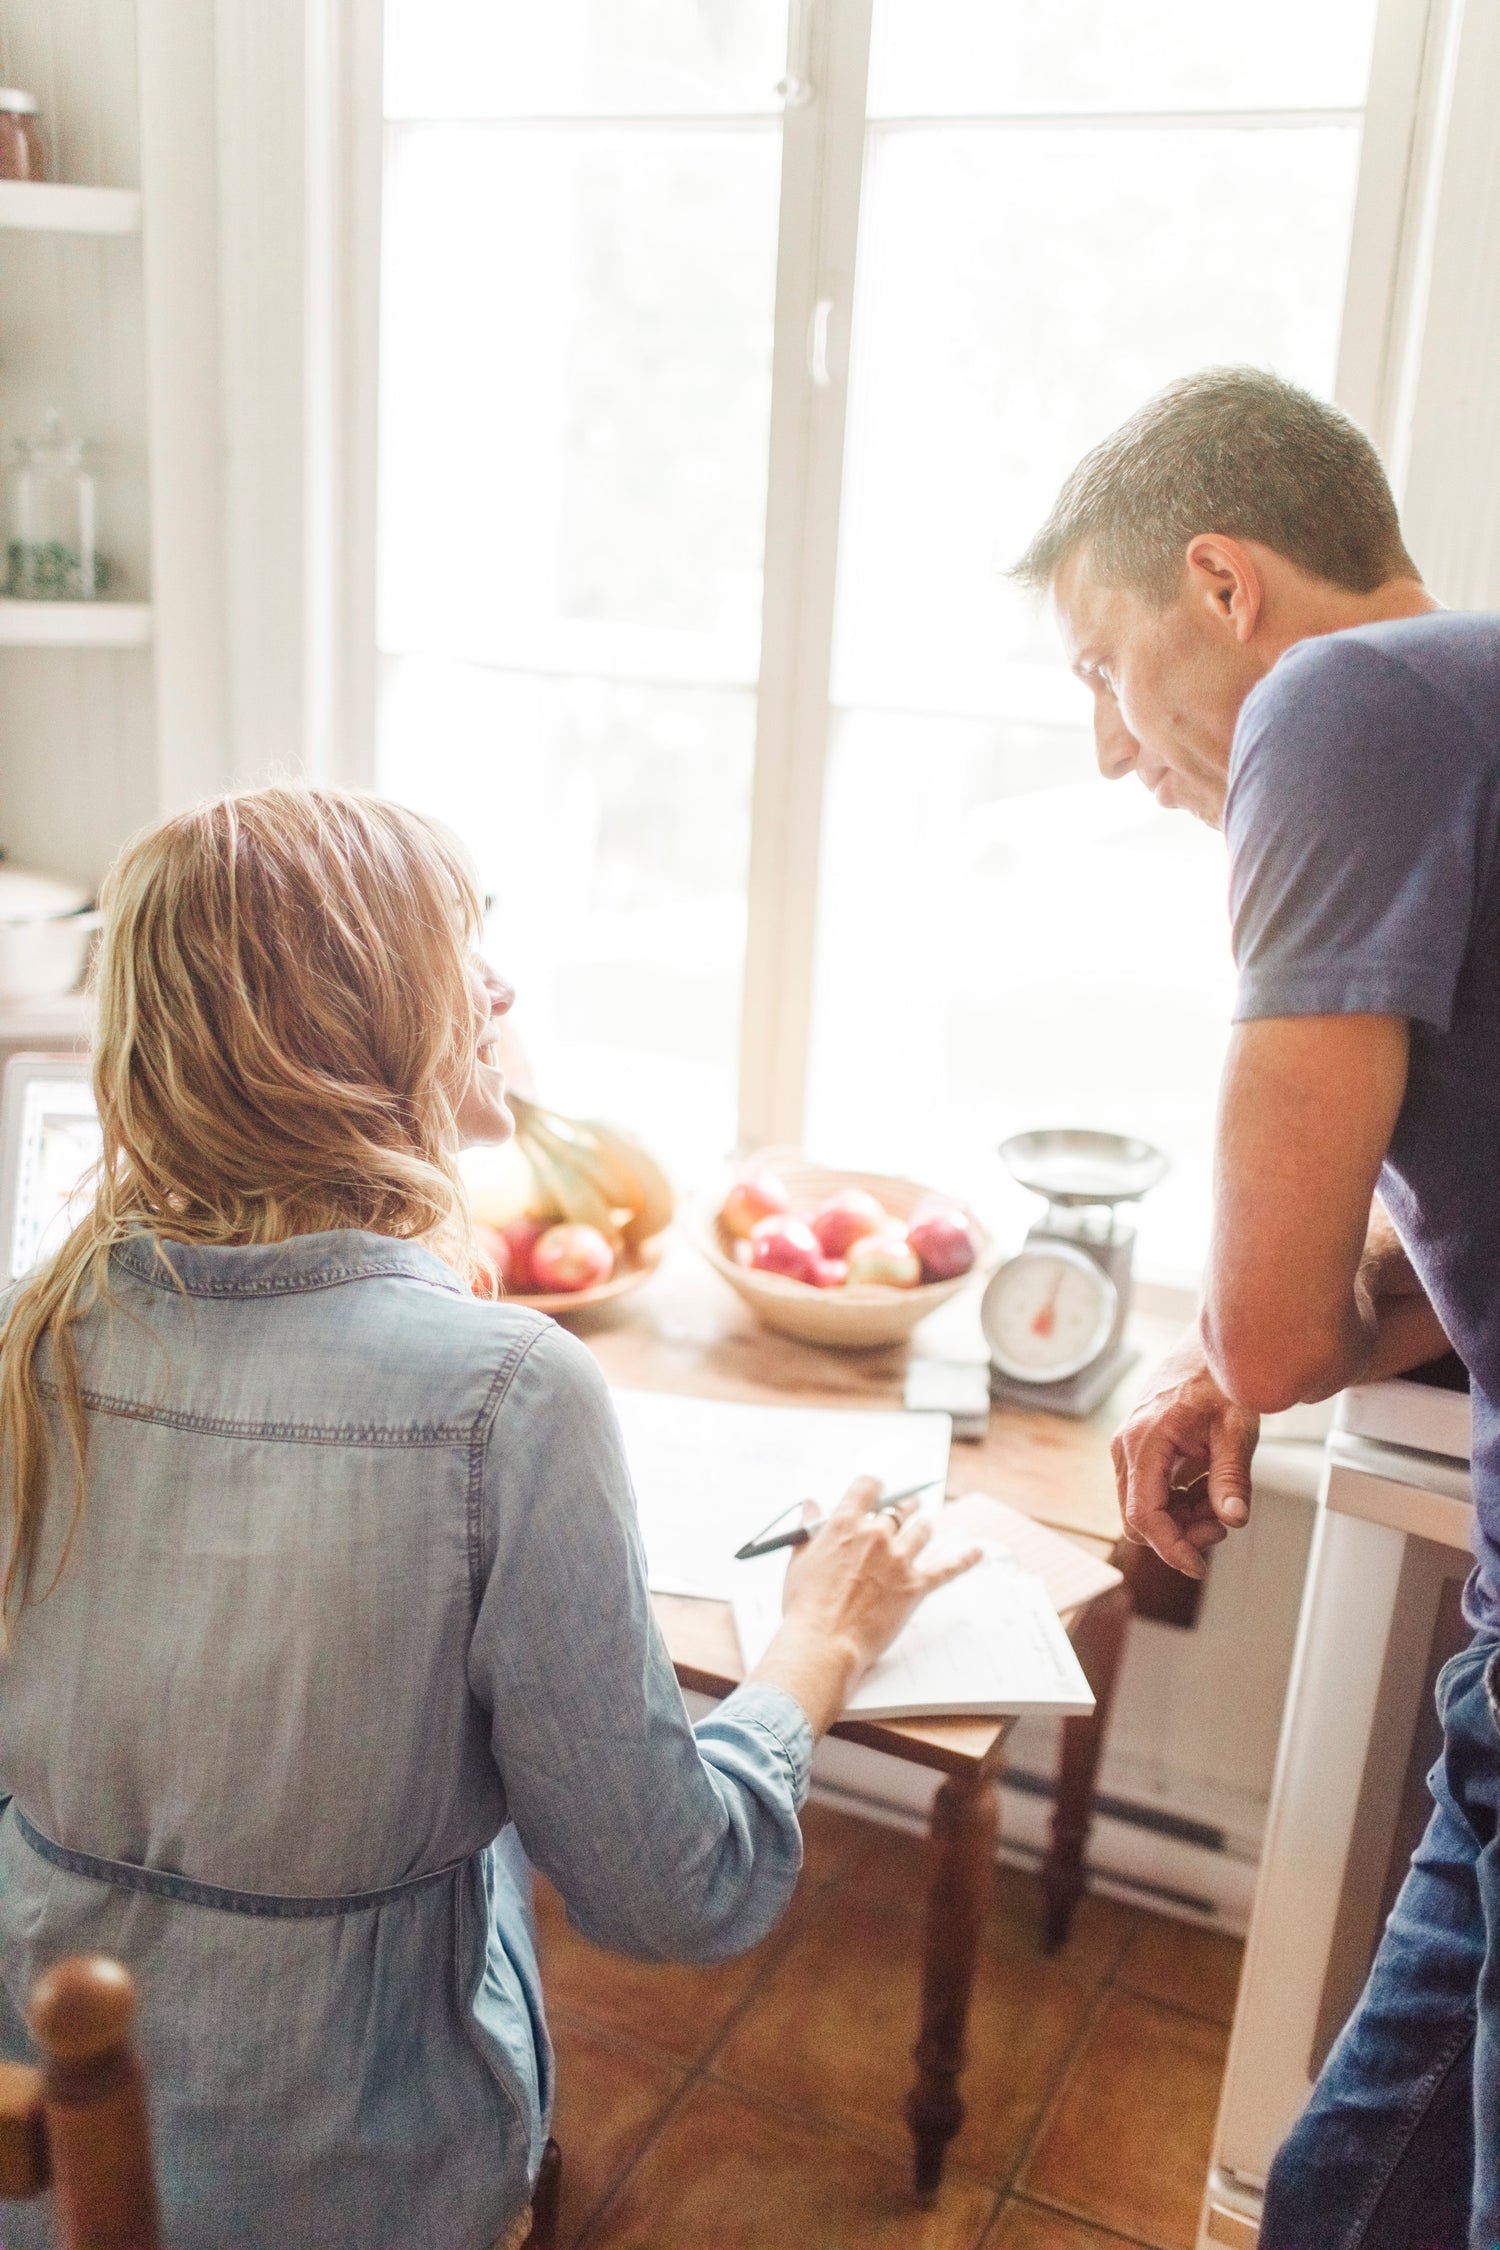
(849, 1319)
(45, 929)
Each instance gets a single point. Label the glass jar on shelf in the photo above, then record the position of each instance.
(52, 554)
(23, 153)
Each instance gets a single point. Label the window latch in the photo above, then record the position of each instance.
(817, 344)
(796, 89)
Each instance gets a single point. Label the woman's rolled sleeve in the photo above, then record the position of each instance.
(664, 1842)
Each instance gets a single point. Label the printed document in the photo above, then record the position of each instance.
(709, 1475)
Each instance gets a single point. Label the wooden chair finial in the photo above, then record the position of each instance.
(81, 2010)
(94, 2107)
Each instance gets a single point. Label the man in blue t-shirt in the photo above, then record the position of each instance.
(1229, 576)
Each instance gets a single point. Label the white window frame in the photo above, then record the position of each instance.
(1428, 145)
(1412, 70)
(821, 178)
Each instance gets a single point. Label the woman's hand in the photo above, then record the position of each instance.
(848, 1593)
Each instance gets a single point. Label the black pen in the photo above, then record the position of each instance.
(798, 1537)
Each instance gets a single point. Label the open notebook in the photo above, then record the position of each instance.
(988, 1645)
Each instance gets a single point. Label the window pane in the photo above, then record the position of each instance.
(575, 396)
(612, 826)
(574, 58)
(1005, 942)
(971, 57)
(1020, 293)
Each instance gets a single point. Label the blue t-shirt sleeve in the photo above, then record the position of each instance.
(1358, 826)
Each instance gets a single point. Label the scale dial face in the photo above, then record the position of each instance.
(1048, 1313)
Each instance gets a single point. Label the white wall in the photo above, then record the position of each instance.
(1421, 339)
(1450, 438)
(299, 143)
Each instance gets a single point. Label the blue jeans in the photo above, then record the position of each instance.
(1399, 2147)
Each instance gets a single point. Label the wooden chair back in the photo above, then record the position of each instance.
(78, 2125)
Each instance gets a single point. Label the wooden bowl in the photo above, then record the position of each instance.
(630, 1271)
(856, 1318)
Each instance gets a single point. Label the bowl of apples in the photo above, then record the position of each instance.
(851, 1259)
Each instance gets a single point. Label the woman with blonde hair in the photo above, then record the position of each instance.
(323, 1591)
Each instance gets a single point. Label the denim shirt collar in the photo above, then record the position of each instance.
(281, 1269)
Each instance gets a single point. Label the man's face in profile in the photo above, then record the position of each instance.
(1165, 684)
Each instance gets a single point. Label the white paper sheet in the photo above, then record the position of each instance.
(709, 1475)
(986, 1645)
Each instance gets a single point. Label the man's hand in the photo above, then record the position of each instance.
(1182, 1459)
(1292, 1306)
(1182, 1462)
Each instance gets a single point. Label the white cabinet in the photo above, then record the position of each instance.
(1380, 1615)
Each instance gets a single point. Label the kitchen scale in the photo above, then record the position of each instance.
(1054, 1315)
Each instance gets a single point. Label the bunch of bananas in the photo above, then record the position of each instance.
(590, 1173)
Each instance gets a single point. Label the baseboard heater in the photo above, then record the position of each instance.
(1202, 1833)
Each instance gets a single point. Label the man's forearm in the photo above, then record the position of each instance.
(1306, 1115)
(1388, 1324)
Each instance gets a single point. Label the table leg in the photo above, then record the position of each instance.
(965, 1825)
(1099, 1640)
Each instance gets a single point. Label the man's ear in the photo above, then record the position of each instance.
(1223, 579)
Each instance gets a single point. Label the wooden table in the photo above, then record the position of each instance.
(688, 1332)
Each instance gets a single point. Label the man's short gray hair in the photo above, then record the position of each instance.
(1236, 451)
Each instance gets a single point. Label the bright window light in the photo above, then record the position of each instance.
(1062, 207)
(578, 292)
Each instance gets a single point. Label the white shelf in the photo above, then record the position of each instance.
(74, 624)
(46, 209)
(66, 1021)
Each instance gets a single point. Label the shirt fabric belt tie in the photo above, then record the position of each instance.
(125, 1876)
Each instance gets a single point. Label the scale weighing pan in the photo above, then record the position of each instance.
(1073, 1166)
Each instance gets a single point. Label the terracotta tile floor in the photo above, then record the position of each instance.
(758, 2106)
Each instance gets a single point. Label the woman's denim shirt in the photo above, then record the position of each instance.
(357, 1581)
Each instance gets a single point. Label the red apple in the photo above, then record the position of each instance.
(844, 1218)
(759, 1195)
(887, 1258)
(786, 1246)
(521, 1237)
(832, 1273)
(570, 1257)
(943, 1239)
